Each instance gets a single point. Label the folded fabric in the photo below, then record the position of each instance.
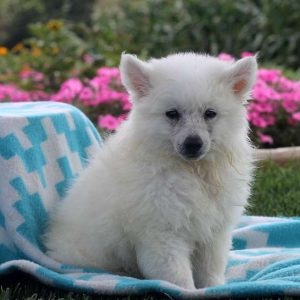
(43, 147)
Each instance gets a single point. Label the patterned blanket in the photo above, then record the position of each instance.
(43, 146)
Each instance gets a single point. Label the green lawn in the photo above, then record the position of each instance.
(276, 192)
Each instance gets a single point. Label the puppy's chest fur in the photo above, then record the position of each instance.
(186, 201)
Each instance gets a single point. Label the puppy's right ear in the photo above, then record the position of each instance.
(135, 76)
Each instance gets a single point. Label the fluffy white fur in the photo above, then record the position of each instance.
(141, 207)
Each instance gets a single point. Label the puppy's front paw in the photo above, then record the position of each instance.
(156, 263)
(215, 280)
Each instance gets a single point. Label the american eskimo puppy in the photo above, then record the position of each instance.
(162, 196)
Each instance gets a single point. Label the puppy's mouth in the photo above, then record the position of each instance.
(192, 156)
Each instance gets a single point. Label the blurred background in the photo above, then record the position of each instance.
(158, 27)
(67, 50)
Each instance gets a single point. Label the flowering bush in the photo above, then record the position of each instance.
(273, 113)
(102, 98)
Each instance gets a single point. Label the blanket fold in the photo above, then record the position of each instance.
(43, 147)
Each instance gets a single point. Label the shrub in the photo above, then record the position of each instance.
(16, 15)
(156, 28)
(54, 50)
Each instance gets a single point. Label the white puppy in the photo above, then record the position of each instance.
(162, 196)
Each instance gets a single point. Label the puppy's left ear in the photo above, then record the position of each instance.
(242, 75)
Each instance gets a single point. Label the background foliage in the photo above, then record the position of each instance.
(16, 15)
(158, 27)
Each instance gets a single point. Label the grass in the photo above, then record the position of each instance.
(276, 192)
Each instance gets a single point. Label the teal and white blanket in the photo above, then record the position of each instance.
(43, 146)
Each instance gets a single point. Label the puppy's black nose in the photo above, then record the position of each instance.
(192, 146)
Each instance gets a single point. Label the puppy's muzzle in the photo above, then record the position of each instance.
(192, 147)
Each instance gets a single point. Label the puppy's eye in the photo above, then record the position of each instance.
(173, 114)
(210, 114)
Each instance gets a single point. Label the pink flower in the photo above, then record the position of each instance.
(246, 54)
(285, 84)
(265, 138)
(260, 119)
(31, 74)
(39, 96)
(269, 75)
(88, 58)
(226, 57)
(20, 96)
(74, 85)
(127, 105)
(14, 94)
(110, 122)
(86, 95)
(107, 87)
(296, 116)
(68, 91)
(262, 107)
(64, 95)
(259, 122)
(290, 105)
